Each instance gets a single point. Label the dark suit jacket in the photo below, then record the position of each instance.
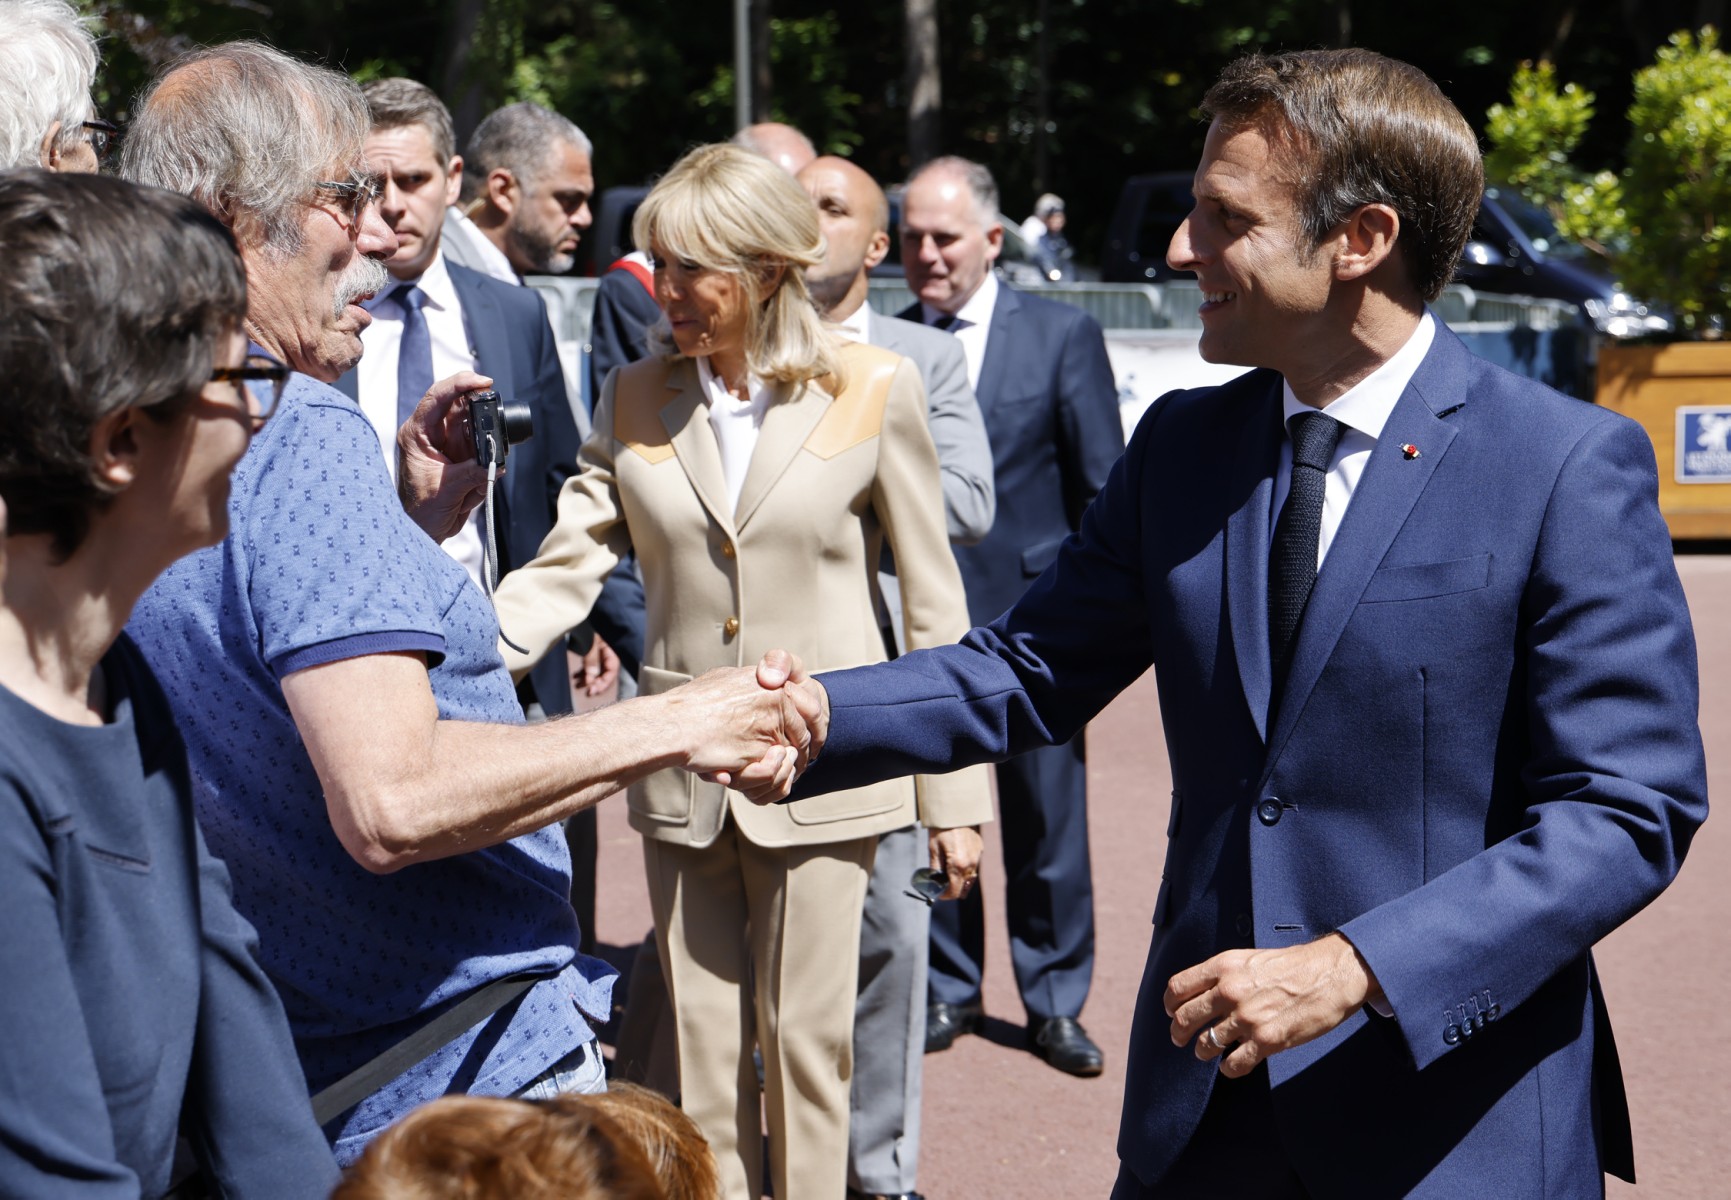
(514, 345)
(1485, 759)
(619, 331)
(1051, 409)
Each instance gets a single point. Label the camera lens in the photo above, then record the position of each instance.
(519, 421)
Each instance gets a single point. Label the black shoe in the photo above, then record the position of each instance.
(1063, 1042)
(947, 1022)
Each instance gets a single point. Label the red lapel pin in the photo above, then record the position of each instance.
(1409, 450)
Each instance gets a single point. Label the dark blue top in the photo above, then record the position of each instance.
(322, 564)
(132, 988)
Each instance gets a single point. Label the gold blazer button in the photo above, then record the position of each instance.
(730, 626)
(727, 550)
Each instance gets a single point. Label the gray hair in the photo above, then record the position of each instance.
(394, 103)
(247, 131)
(519, 138)
(47, 63)
(980, 184)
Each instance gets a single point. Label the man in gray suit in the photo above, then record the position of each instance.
(890, 1018)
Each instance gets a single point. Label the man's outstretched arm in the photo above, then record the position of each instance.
(403, 786)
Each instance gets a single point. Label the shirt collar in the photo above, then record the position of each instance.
(856, 326)
(435, 283)
(495, 257)
(715, 392)
(1367, 405)
(978, 308)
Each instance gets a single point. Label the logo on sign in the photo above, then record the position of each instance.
(1704, 445)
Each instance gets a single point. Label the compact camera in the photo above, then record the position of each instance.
(496, 425)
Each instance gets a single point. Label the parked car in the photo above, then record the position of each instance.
(1515, 249)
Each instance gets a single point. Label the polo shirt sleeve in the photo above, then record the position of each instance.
(335, 567)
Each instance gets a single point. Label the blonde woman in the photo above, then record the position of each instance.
(757, 465)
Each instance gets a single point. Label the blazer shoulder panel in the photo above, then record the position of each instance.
(640, 390)
(857, 415)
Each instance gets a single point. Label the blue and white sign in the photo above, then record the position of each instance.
(1703, 455)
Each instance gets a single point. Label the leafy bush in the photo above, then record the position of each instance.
(1665, 220)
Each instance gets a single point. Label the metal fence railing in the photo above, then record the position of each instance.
(1547, 340)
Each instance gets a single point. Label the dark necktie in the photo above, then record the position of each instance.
(414, 352)
(1292, 561)
(948, 322)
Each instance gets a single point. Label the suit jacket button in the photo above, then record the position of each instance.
(1452, 1034)
(1243, 924)
(727, 550)
(1268, 812)
(730, 626)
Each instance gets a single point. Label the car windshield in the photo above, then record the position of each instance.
(1536, 223)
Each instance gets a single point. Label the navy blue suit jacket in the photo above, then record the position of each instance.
(1486, 758)
(1051, 409)
(514, 346)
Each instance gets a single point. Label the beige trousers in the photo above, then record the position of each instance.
(761, 947)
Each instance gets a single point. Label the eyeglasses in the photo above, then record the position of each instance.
(360, 191)
(264, 379)
(104, 136)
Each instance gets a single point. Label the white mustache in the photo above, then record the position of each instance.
(363, 277)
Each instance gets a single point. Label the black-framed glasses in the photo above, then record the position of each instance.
(927, 885)
(264, 379)
(104, 136)
(359, 191)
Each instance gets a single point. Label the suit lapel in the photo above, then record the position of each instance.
(793, 412)
(999, 340)
(1247, 540)
(1385, 496)
(686, 419)
(487, 333)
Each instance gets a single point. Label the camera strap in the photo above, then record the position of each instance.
(490, 543)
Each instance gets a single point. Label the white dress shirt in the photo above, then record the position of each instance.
(736, 423)
(1364, 409)
(855, 326)
(376, 378)
(489, 258)
(973, 323)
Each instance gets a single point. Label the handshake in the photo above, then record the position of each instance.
(751, 729)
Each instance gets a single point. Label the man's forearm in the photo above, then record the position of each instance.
(402, 786)
(479, 785)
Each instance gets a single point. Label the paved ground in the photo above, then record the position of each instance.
(1001, 1124)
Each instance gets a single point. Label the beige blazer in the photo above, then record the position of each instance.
(792, 566)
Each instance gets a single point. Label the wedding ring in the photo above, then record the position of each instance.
(1214, 1040)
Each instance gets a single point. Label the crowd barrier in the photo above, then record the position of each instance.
(1152, 331)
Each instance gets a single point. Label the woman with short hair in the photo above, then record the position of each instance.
(134, 1008)
(758, 465)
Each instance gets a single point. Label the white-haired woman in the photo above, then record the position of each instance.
(47, 63)
(757, 466)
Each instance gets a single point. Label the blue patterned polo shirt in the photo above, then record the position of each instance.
(322, 564)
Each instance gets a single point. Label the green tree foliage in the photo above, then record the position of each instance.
(649, 78)
(1534, 135)
(1665, 219)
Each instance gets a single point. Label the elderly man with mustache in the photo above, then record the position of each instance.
(357, 746)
